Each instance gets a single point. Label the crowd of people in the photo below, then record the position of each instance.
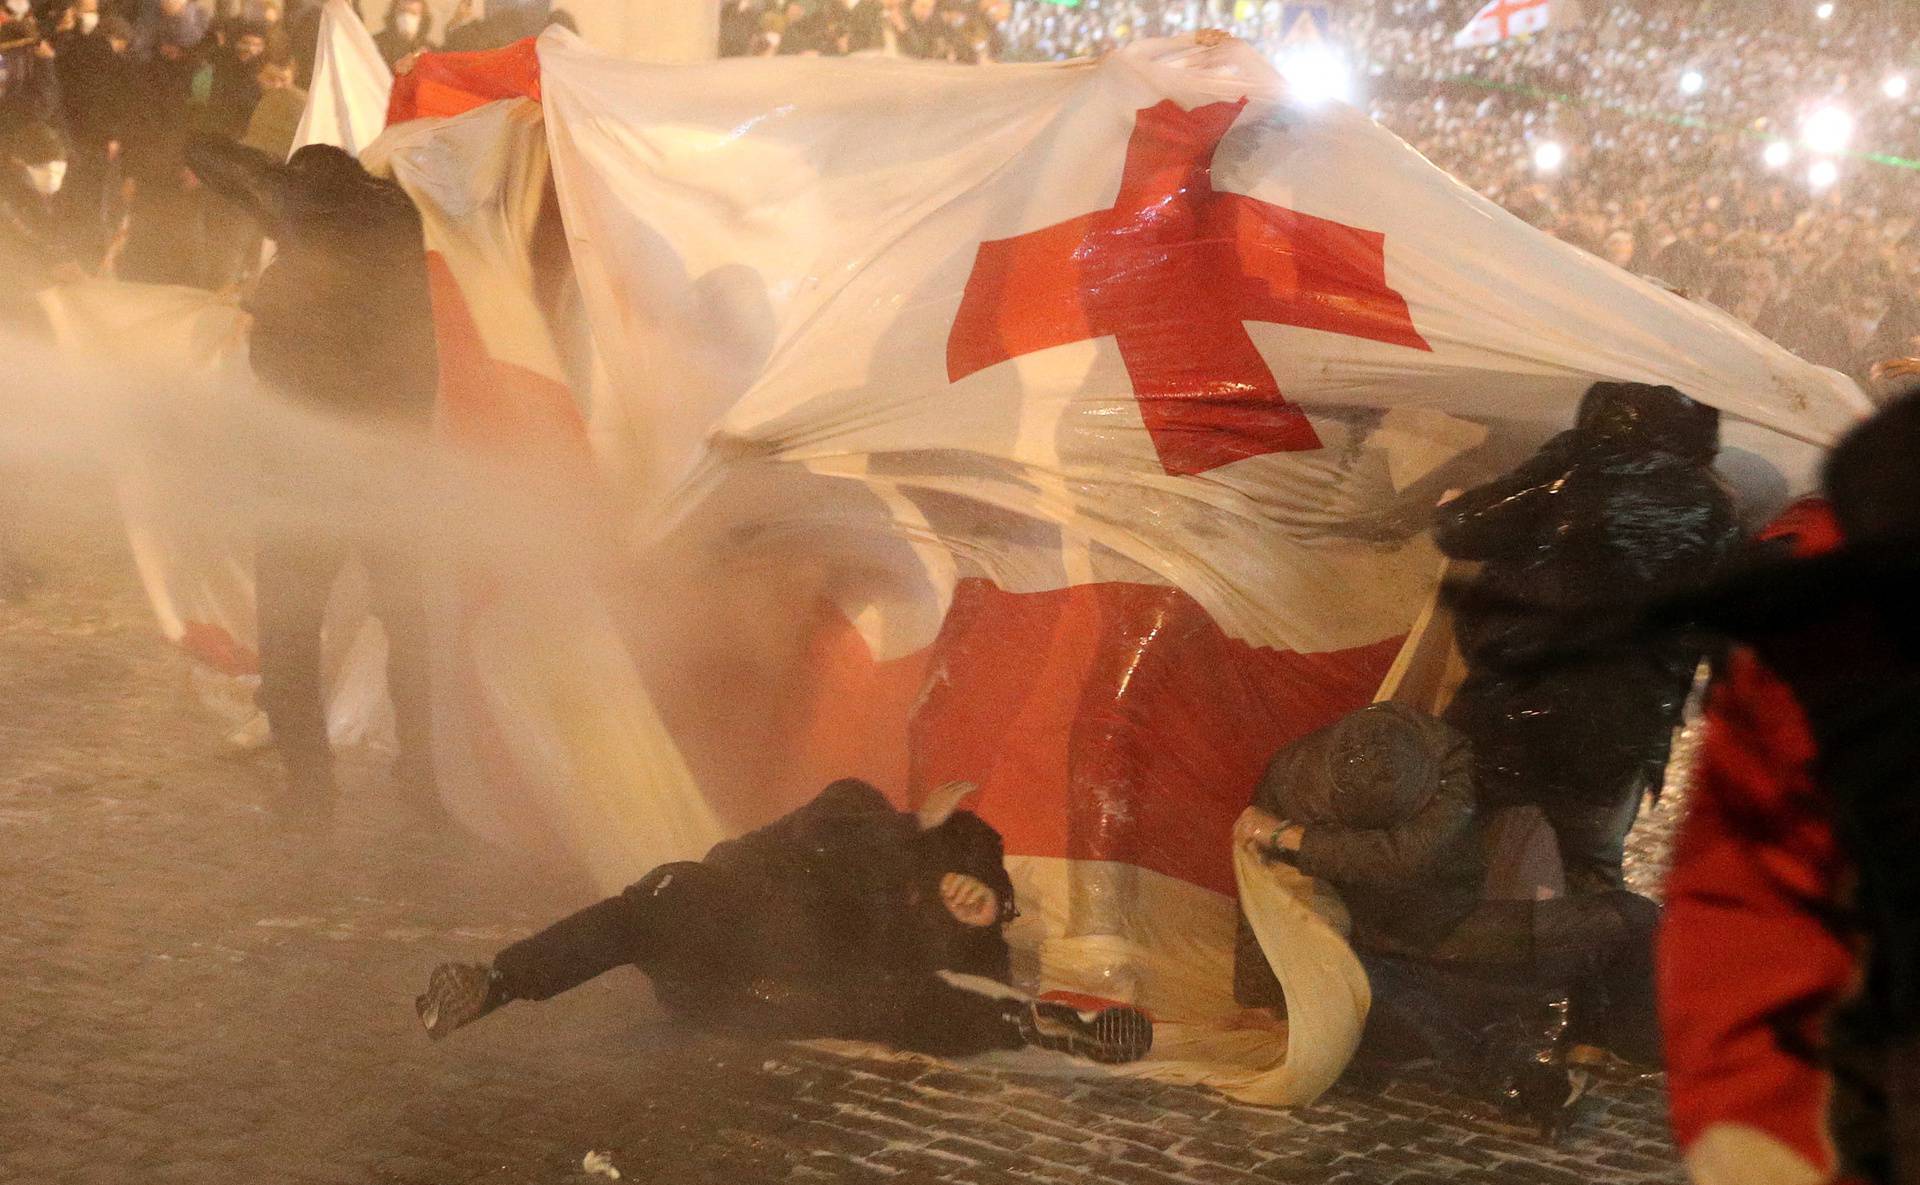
(1663, 135)
(99, 98)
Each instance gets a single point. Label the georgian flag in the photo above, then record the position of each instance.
(1067, 429)
(1499, 20)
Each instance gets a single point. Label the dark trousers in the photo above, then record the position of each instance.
(1508, 957)
(294, 579)
(700, 933)
(90, 203)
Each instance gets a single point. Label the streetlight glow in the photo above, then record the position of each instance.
(1691, 82)
(1777, 154)
(1823, 174)
(1827, 129)
(1549, 156)
(1316, 74)
(1895, 87)
(1824, 12)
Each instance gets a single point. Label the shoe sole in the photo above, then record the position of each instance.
(1111, 1036)
(449, 1002)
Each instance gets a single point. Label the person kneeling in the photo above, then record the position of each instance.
(844, 919)
(1381, 805)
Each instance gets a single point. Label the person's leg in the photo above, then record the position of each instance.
(398, 603)
(1602, 944)
(675, 923)
(955, 1015)
(1591, 823)
(293, 578)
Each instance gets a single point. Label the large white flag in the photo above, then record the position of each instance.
(1068, 429)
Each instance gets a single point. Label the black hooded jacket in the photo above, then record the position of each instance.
(1622, 509)
(341, 317)
(832, 921)
(847, 878)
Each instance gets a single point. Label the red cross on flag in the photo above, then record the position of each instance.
(1500, 19)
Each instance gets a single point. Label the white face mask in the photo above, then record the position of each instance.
(408, 23)
(46, 178)
(88, 20)
(19, 7)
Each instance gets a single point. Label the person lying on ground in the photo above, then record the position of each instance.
(845, 918)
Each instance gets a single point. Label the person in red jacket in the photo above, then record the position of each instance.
(1787, 957)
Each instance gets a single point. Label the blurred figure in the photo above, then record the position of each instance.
(739, 25)
(29, 75)
(235, 86)
(33, 168)
(1619, 249)
(1622, 508)
(164, 227)
(276, 117)
(341, 323)
(408, 30)
(1789, 962)
(922, 33)
(99, 89)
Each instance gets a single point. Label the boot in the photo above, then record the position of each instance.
(457, 995)
(1110, 1036)
(1528, 1066)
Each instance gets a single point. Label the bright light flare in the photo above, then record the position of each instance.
(1777, 154)
(1824, 12)
(1827, 129)
(1823, 174)
(1548, 156)
(1317, 74)
(1895, 86)
(1692, 82)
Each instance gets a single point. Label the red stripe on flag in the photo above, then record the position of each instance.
(442, 84)
(1102, 721)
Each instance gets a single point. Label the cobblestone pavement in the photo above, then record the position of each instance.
(192, 990)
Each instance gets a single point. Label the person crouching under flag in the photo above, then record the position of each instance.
(844, 919)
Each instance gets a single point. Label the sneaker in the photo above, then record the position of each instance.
(1110, 1036)
(1608, 1066)
(457, 994)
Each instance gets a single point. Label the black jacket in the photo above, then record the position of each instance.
(1620, 510)
(394, 45)
(98, 88)
(851, 887)
(341, 318)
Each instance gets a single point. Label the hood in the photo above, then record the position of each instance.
(1370, 770)
(1638, 417)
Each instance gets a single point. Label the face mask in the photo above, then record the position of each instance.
(408, 23)
(88, 20)
(46, 178)
(19, 7)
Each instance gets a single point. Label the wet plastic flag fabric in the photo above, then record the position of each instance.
(1104, 403)
(1072, 430)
